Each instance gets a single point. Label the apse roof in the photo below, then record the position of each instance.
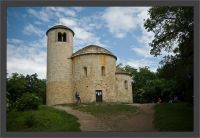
(93, 49)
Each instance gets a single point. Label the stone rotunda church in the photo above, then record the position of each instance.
(91, 71)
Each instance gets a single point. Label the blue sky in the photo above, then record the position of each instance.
(118, 29)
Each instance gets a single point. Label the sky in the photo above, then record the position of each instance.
(118, 29)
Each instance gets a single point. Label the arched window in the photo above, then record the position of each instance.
(103, 71)
(126, 84)
(64, 37)
(85, 71)
(59, 37)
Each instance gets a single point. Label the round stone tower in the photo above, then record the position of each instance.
(59, 65)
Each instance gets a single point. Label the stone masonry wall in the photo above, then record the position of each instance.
(124, 94)
(87, 85)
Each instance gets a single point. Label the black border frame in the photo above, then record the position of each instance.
(96, 3)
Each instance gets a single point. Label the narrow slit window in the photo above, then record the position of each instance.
(85, 71)
(125, 84)
(59, 37)
(103, 71)
(64, 37)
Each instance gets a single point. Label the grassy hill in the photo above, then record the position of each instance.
(45, 119)
(174, 117)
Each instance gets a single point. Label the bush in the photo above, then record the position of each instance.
(28, 101)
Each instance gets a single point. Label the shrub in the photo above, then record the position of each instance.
(28, 101)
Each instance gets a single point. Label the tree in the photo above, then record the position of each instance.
(170, 25)
(35, 85)
(130, 70)
(141, 78)
(28, 101)
(173, 29)
(18, 85)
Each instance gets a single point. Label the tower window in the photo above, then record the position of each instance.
(125, 84)
(103, 71)
(64, 37)
(59, 37)
(85, 71)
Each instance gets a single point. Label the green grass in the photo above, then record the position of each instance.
(45, 119)
(174, 117)
(104, 108)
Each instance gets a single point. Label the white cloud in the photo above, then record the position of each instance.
(143, 51)
(31, 29)
(41, 15)
(83, 34)
(122, 20)
(49, 13)
(78, 9)
(92, 22)
(26, 66)
(137, 63)
(26, 58)
(38, 23)
(62, 10)
(68, 22)
(15, 41)
(119, 21)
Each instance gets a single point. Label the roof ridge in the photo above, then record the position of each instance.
(86, 50)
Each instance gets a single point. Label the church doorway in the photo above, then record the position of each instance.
(98, 95)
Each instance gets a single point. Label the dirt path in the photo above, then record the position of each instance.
(142, 120)
(87, 121)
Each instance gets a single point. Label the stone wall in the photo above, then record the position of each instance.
(124, 91)
(59, 92)
(87, 85)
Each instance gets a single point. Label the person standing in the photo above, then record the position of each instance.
(77, 96)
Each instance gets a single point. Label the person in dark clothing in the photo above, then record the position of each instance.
(77, 96)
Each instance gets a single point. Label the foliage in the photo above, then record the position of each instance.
(18, 84)
(28, 101)
(143, 77)
(35, 85)
(170, 25)
(173, 29)
(148, 86)
(174, 117)
(45, 119)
